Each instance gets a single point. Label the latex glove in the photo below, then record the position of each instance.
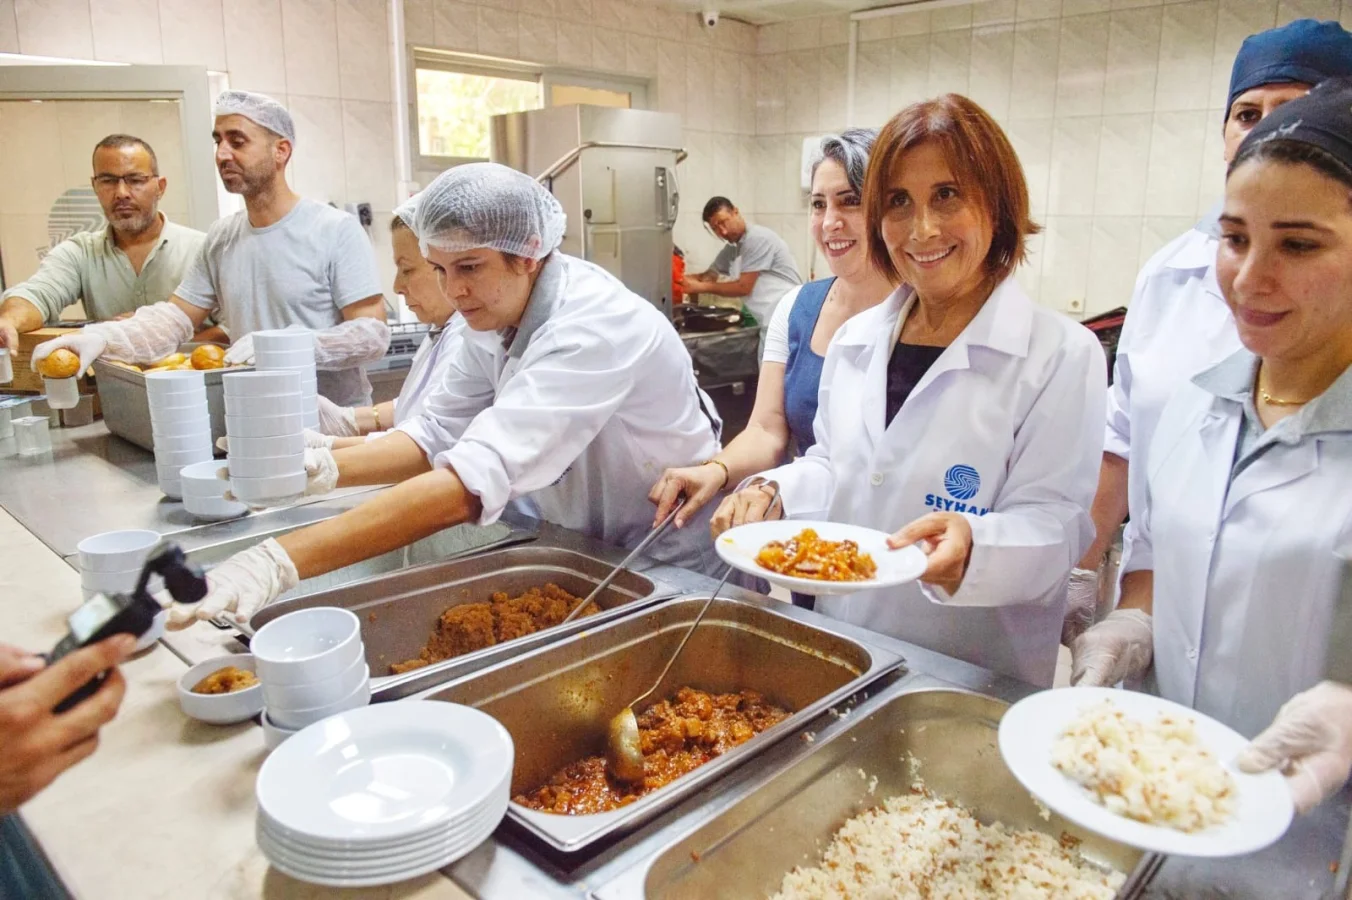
(1081, 603)
(316, 441)
(1119, 647)
(321, 471)
(339, 421)
(1311, 741)
(240, 352)
(88, 345)
(750, 504)
(698, 484)
(242, 585)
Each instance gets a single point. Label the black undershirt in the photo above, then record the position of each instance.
(906, 366)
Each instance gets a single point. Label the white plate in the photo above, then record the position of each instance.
(739, 547)
(1263, 806)
(385, 771)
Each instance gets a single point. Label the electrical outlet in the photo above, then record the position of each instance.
(1075, 306)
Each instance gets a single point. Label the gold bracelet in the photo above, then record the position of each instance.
(722, 465)
(375, 416)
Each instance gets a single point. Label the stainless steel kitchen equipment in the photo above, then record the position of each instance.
(399, 610)
(614, 172)
(556, 701)
(126, 411)
(790, 817)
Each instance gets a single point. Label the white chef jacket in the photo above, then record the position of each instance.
(1247, 552)
(580, 408)
(1005, 428)
(424, 374)
(1177, 325)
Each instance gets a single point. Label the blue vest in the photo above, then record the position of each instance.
(803, 372)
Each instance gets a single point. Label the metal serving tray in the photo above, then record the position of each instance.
(556, 701)
(398, 611)
(126, 409)
(790, 818)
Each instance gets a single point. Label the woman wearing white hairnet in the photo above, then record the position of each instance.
(416, 280)
(570, 390)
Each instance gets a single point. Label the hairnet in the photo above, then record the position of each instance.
(408, 210)
(1322, 118)
(488, 205)
(1301, 51)
(260, 109)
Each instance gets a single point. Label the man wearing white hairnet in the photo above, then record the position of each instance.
(284, 260)
(570, 391)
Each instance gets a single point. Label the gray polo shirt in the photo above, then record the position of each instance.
(760, 250)
(90, 267)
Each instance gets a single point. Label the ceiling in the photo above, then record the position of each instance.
(763, 12)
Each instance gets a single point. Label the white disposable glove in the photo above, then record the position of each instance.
(240, 352)
(1119, 647)
(242, 585)
(1081, 604)
(321, 471)
(86, 344)
(1310, 741)
(340, 421)
(316, 441)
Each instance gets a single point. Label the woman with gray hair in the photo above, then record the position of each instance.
(795, 344)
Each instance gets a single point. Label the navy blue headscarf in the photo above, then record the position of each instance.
(1322, 118)
(1301, 51)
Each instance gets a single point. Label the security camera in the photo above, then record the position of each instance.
(709, 17)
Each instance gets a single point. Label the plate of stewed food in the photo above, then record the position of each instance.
(819, 557)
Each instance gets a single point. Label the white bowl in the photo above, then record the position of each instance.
(178, 443)
(173, 419)
(175, 382)
(62, 393)
(278, 445)
(270, 405)
(171, 488)
(220, 709)
(274, 734)
(264, 426)
(116, 551)
(271, 360)
(271, 488)
(265, 466)
(307, 645)
(180, 458)
(159, 402)
(312, 694)
(244, 384)
(213, 508)
(194, 428)
(283, 339)
(300, 718)
(204, 478)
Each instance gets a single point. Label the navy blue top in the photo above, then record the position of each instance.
(803, 371)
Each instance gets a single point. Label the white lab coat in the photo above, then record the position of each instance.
(1017, 399)
(424, 374)
(1177, 325)
(592, 400)
(1246, 572)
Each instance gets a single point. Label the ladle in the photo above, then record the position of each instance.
(624, 563)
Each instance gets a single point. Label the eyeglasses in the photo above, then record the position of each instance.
(135, 181)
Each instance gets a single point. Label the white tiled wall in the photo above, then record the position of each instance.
(1114, 107)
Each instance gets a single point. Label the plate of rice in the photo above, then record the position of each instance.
(1143, 771)
(819, 557)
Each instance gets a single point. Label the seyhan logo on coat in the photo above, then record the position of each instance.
(962, 484)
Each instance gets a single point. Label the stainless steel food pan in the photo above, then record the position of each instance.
(126, 409)
(789, 820)
(556, 701)
(399, 611)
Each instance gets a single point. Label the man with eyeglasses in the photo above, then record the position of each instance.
(139, 259)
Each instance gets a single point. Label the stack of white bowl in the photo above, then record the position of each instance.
(312, 663)
(204, 488)
(265, 426)
(383, 794)
(111, 563)
(180, 424)
(291, 350)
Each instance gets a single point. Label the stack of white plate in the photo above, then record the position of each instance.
(291, 350)
(180, 424)
(265, 424)
(384, 793)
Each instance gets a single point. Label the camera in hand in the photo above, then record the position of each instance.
(105, 615)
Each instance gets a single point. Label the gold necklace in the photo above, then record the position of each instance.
(1271, 400)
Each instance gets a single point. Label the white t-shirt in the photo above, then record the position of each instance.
(777, 335)
(301, 270)
(760, 250)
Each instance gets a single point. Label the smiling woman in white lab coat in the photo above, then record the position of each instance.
(957, 405)
(1246, 515)
(569, 389)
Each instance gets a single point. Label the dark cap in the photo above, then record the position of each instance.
(1322, 118)
(1302, 51)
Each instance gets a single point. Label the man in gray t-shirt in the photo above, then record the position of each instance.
(757, 260)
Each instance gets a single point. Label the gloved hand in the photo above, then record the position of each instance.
(1311, 741)
(242, 585)
(1121, 646)
(1081, 604)
(339, 421)
(86, 344)
(240, 352)
(321, 471)
(316, 441)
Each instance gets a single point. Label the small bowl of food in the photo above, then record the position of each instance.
(222, 691)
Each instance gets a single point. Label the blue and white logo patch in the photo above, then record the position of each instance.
(962, 483)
